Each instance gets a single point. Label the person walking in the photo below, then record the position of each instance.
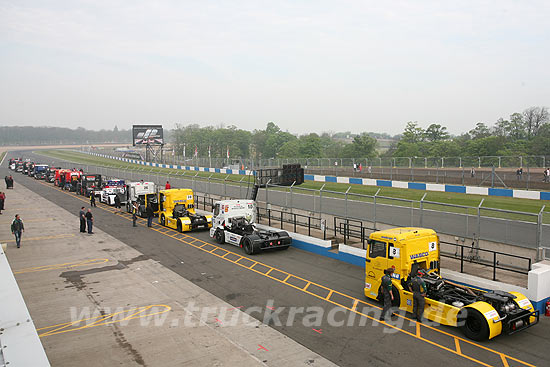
(90, 221)
(10, 182)
(167, 186)
(150, 215)
(2, 200)
(117, 204)
(387, 293)
(92, 199)
(17, 228)
(7, 179)
(418, 287)
(82, 216)
(134, 214)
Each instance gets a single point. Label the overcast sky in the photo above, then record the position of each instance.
(309, 66)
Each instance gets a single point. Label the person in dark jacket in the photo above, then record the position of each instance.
(82, 216)
(117, 204)
(418, 287)
(387, 293)
(2, 200)
(150, 215)
(92, 199)
(90, 221)
(17, 228)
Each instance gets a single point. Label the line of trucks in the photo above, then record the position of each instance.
(410, 251)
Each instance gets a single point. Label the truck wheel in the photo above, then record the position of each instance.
(162, 220)
(180, 229)
(247, 246)
(396, 297)
(219, 236)
(474, 325)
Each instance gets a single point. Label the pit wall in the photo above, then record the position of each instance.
(538, 284)
(522, 194)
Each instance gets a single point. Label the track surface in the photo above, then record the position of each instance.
(221, 271)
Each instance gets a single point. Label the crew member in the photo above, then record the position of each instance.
(418, 287)
(17, 228)
(117, 203)
(134, 214)
(387, 292)
(90, 221)
(167, 186)
(150, 215)
(92, 199)
(82, 216)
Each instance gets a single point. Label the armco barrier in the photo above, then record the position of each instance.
(523, 194)
(538, 288)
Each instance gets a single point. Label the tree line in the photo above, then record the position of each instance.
(31, 135)
(521, 134)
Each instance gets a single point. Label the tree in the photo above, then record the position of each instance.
(363, 146)
(436, 132)
(412, 133)
(480, 131)
(534, 118)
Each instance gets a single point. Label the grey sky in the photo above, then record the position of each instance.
(307, 65)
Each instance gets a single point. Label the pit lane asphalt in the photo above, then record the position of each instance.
(345, 345)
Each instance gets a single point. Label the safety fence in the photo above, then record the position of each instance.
(529, 230)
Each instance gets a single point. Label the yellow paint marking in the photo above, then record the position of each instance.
(354, 307)
(125, 315)
(24, 239)
(504, 360)
(307, 285)
(269, 271)
(69, 265)
(331, 291)
(418, 330)
(457, 346)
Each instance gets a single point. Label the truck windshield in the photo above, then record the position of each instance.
(377, 249)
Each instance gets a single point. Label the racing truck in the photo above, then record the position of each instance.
(177, 210)
(142, 193)
(39, 171)
(88, 183)
(479, 314)
(112, 189)
(50, 174)
(235, 223)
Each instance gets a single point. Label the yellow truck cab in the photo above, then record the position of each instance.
(176, 209)
(480, 314)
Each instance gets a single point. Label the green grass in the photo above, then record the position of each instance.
(2, 154)
(356, 192)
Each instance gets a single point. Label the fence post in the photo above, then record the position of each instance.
(494, 266)
(374, 211)
(539, 233)
(349, 188)
(479, 221)
(321, 200)
(291, 186)
(266, 191)
(422, 210)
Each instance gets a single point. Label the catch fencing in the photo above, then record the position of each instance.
(528, 230)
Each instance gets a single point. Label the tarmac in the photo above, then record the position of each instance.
(148, 271)
(97, 301)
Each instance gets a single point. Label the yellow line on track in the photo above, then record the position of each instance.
(189, 239)
(68, 265)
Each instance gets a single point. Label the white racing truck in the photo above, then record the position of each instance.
(234, 222)
(142, 193)
(112, 189)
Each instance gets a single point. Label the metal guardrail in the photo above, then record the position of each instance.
(352, 228)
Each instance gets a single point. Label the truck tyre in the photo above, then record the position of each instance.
(247, 246)
(162, 220)
(219, 236)
(180, 229)
(396, 297)
(474, 325)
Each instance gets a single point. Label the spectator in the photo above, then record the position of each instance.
(7, 179)
(473, 172)
(2, 199)
(167, 186)
(90, 221)
(17, 228)
(360, 167)
(519, 173)
(10, 182)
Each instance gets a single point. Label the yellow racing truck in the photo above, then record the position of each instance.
(176, 209)
(480, 314)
